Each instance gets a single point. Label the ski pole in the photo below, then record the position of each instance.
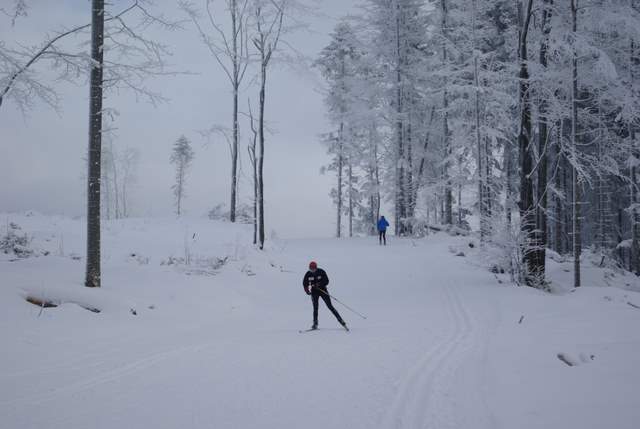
(348, 308)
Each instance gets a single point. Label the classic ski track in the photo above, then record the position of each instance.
(421, 401)
(107, 376)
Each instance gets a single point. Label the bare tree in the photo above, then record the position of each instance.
(181, 156)
(230, 50)
(267, 20)
(254, 172)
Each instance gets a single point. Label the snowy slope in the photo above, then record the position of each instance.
(216, 345)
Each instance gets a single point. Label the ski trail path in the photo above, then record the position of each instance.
(430, 391)
(421, 400)
(236, 359)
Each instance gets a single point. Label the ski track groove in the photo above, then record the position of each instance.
(105, 377)
(423, 400)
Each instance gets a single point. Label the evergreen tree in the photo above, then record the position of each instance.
(182, 156)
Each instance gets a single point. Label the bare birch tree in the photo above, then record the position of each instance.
(268, 17)
(230, 50)
(251, 148)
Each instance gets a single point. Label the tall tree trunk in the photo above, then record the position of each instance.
(577, 236)
(350, 172)
(543, 142)
(527, 209)
(254, 172)
(509, 191)
(340, 168)
(423, 156)
(236, 85)
(263, 83)
(448, 195)
(234, 157)
(374, 206)
(343, 110)
(255, 200)
(635, 200)
(568, 211)
(604, 206)
(559, 184)
(399, 167)
(480, 155)
(459, 205)
(93, 274)
(378, 197)
(482, 196)
(410, 202)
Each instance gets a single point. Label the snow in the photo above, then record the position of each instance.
(216, 345)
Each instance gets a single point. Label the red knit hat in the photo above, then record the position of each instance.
(313, 265)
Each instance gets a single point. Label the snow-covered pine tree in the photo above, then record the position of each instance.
(181, 156)
(338, 64)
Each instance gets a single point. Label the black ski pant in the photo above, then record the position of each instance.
(317, 293)
(382, 235)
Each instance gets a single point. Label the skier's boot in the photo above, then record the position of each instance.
(314, 326)
(344, 324)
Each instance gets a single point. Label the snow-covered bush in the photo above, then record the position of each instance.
(244, 213)
(197, 265)
(503, 251)
(140, 259)
(16, 243)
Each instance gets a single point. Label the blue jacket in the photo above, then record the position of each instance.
(382, 224)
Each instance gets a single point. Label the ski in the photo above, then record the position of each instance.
(302, 331)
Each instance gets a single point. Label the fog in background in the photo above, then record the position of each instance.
(42, 154)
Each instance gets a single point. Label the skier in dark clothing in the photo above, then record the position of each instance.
(382, 230)
(315, 284)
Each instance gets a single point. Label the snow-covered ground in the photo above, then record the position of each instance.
(214, 342)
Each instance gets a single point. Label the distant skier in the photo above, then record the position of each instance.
(382, 230)
(315, 284)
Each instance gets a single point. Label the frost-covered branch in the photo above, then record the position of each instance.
(132, 57)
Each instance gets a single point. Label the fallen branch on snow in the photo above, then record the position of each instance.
(565, 359)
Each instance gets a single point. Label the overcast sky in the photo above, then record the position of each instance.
(41, 155)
